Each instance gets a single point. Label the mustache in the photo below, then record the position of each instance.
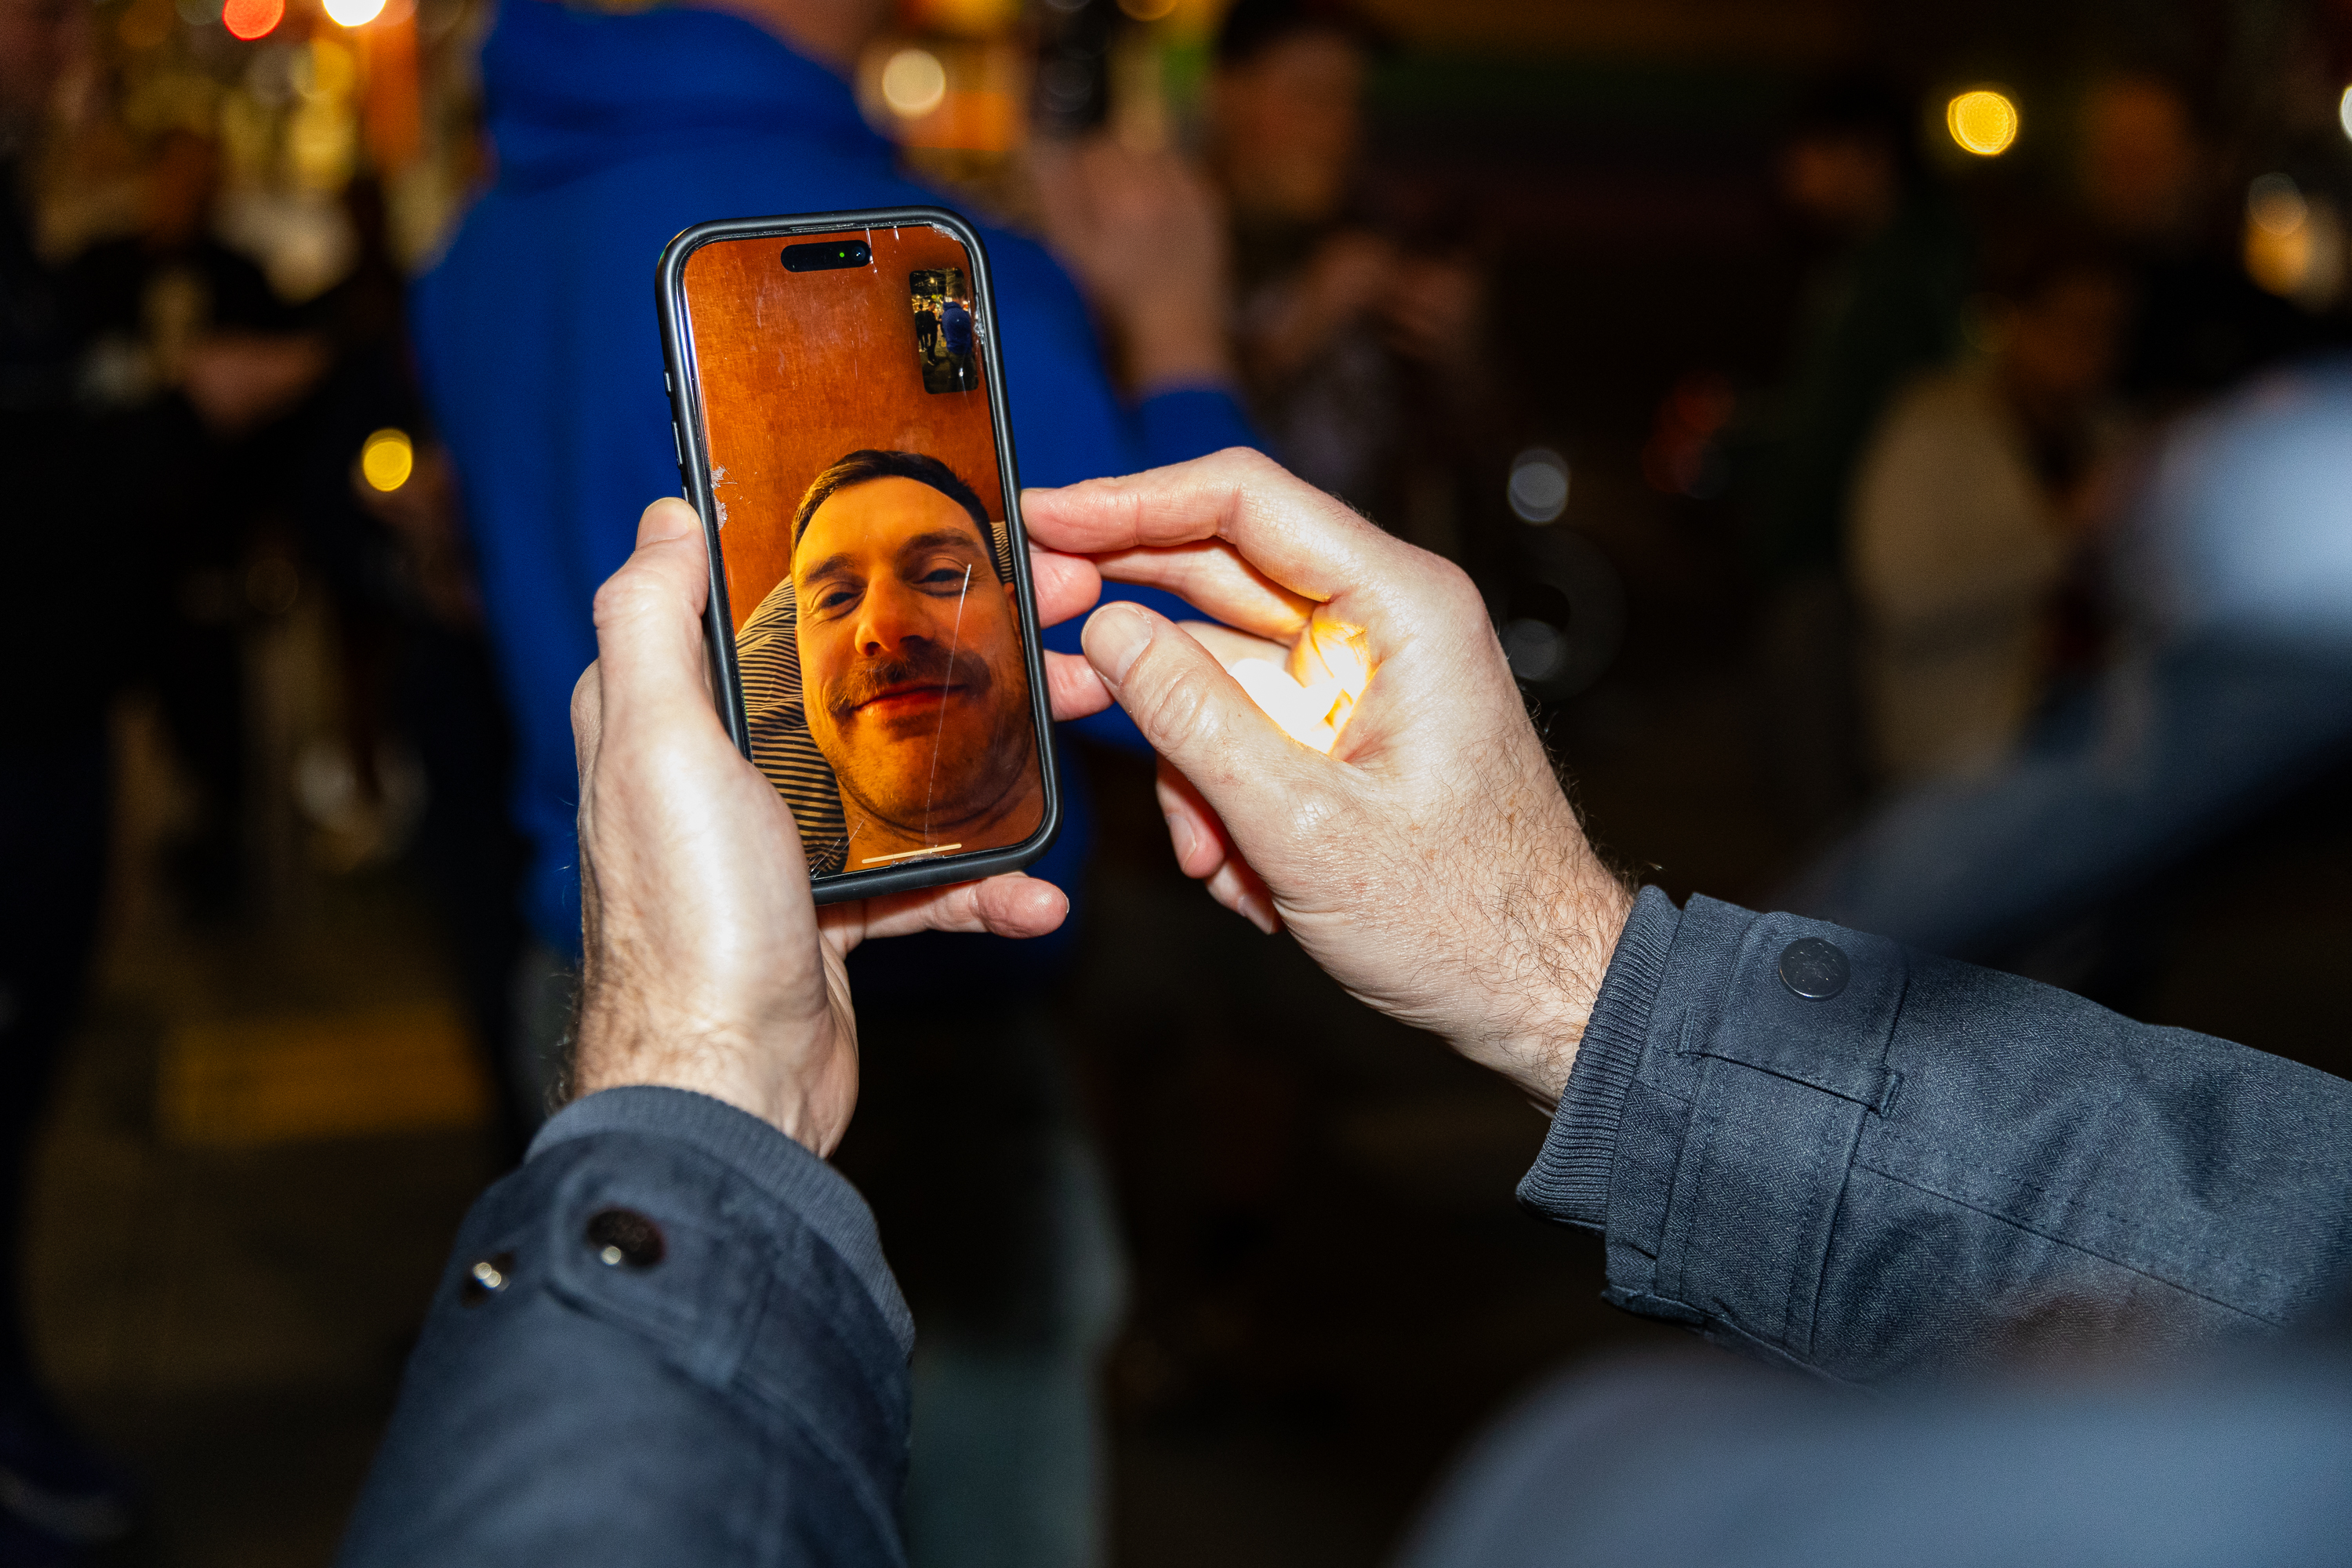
(922, 664)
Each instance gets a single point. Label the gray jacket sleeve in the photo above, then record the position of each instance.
(1906, 1173)
(670, 1337)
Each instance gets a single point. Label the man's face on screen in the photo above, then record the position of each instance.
(910, 656)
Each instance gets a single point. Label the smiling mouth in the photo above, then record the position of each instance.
(906, 699)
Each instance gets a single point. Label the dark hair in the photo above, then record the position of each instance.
(2034, 253)
(1850, 105)
(1868, 110)
(1253, 26)
(864, 467)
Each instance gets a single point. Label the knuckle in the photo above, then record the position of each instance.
(620, 597)
(1176, 711)
(636, 589)
(1448, 591)
(585, 704)
(1255, 465)
(1242, 465)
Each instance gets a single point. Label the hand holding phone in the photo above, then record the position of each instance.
(704, 969)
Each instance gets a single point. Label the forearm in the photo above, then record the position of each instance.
(1903, 1175)
(586, 1396)
(1178, 348)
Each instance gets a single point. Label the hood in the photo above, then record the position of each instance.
(567, 91)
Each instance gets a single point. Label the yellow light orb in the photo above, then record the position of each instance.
(1982, 122)
(325, 71)
(914, 83)
(2344, 112)
(2274, 205)
(1300, 710)
(386, 460)
(354, 13)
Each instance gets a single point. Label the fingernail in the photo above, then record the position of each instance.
(1180, 835)
(667, 519)
(1258, 912)
(1114, 636)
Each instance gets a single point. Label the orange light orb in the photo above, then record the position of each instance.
(250, 19)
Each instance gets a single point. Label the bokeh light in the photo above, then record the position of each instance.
(1538, 489)
(2344, 112)
(1981, 121)
(1148, 10)
(354, 13)
(914, 83)
(1313, 695)
(250, 19)
(386, 460)
(326, 71)
(2294, 245)
(1280, 698)
(2275, 205)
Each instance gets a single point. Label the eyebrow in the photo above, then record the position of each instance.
(940, 537)
(936, 538)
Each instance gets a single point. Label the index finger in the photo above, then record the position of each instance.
(1300, 538)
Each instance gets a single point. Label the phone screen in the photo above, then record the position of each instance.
(855, 478)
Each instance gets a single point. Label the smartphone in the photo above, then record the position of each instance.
(838, 403)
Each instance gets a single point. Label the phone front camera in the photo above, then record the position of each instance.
(828, 256)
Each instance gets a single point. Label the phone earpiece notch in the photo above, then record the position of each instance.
(825, 256)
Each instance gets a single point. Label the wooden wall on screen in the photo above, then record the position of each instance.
(797, 369)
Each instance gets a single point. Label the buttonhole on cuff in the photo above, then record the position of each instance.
(623, 1238)
(486, 1278)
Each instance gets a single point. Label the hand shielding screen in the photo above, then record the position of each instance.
(856, 481)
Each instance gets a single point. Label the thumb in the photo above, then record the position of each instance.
(649, 621)
(1196, 715)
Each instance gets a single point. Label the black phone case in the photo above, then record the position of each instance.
(694, 471)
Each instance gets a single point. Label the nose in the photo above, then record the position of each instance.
(892, 614)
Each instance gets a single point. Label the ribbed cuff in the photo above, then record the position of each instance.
(1180, 423)
(1570, 1179)
(820, 1195)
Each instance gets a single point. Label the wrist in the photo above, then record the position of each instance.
(609, 1052)
(1167, 349)
(1568, 946)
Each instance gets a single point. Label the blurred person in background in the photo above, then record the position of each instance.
(542, 364)
(196, 362)
(1884, 305)
(58, 672)
(2156, 190)
(1969, 510)
(2231, 689)
(1363, 350)
(2225, 693)
(419, 682)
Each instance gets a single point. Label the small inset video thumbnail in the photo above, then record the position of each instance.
(943, 330)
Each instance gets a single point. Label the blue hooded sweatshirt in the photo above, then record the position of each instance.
(541, 357)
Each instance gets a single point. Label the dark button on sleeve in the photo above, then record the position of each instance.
(1814, 969)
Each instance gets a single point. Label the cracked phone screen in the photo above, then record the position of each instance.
(868, 565)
